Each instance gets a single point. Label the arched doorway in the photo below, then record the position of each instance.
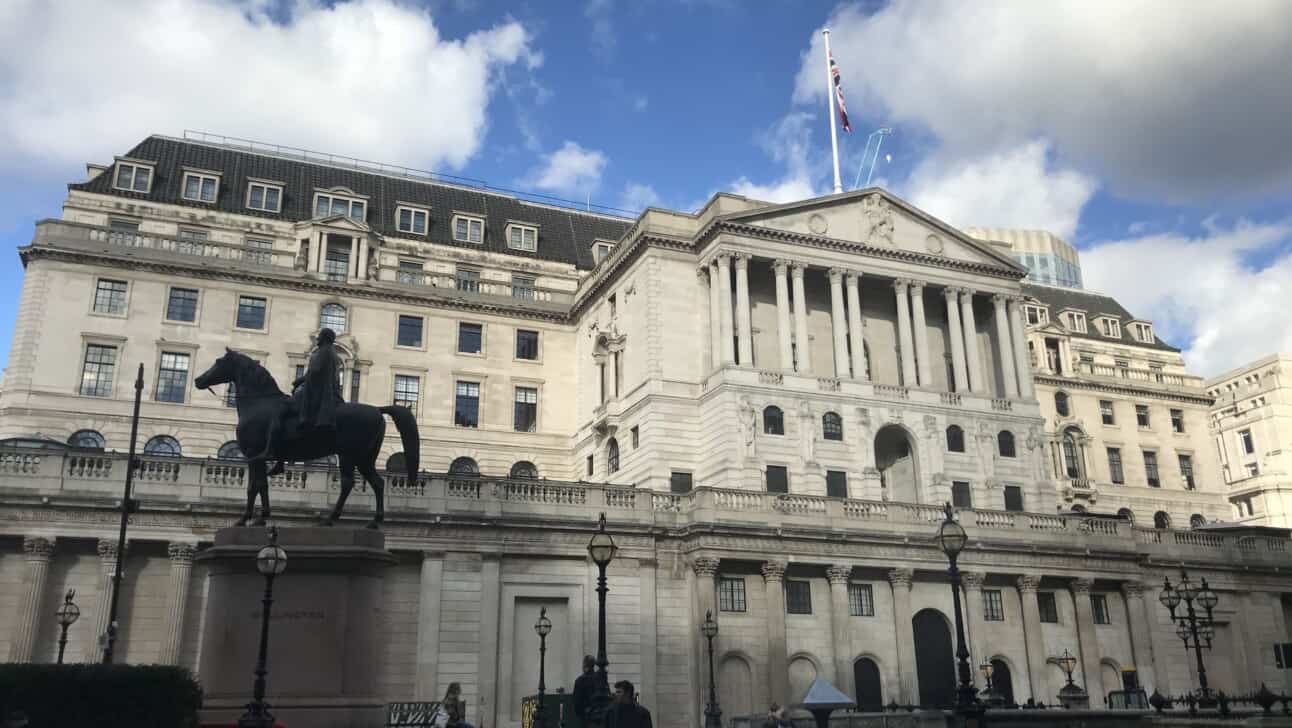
(895, 459)
(1002, 682)
(934, 659)
(870, 695)
(736, 687)
(802, 672)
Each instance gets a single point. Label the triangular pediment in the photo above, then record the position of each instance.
(875, 217)
(338, 222)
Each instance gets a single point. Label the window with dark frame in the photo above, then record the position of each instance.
(731, 594)
(590, 462)
(679, 482)
(1048, 607)
(258, 251)
(333, 316)
(993, 605)
(1099, 609)
(1186, 471)
(1014, 498)
(251, 313)
(1141, 415)
(410, 272)
(466, 404)
(1005, 441)
(955, 439)
(1061, 404)
(181, 305)
(1177, 420)
(836, 483)
(525, 417)
(522, 287)
(470, 338)
(1150, 469)
(636, 436)
(1245, 439)
(407, 390)
(1115, 472)
(832, 426)
(355, 378)
(110, 297)
(410, 331)
(98, 370)
(961, 495)
(1106, 412)
(778, 479)
(612, 456)
(773, 420)
(861, 600)
(798, 596)
(526, 345)
(172, 377)
(468, 279)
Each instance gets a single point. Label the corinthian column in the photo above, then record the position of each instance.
(904, 334)
(908, 692)
(1140, 635)
(838, 324)
(37, 552)
(706, 570)
(801, 337)
(972, 582)
(1086, 641)
(1036, 677)
(1006, 355)
(976, 383)
(181, 567)
(782, 269)
(921, 334)
(103, 600)
(1022, 361)
(744, 325)
(853, 282)
(724, 303)
(778, 678)
(838, 575)
(956, 333)
(715, 315)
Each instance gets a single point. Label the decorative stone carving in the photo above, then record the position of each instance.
(1081, 586)
(748, 427)
(179, 551)
(1133, 589)
(108, 549)
(931, 429)
(877, 223)
(774, 571)
(972, 579)
(818, 224)
(706, 567)
(933, 244)
(807, 435)
(863, 419)
(838, 573)
(901, 578)
(1028, 583)
(37, 548)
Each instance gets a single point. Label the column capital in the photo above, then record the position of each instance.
(705, 566)
(798, 269)
(181, 552)
(1133, 589)
(901, 578)
(852, 277)
(838, 573)
(723, 257)
(972, 579)
(836, 275)
(741, 260)
(1000, 299)
(1029, 583)
(900, 284)
(37, 548)
(966, 294)
(774, 571)
(781, 266)
(108, 549)
(916, 286)
(1082, 585)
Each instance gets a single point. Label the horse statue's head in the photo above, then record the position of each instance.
(225, 369)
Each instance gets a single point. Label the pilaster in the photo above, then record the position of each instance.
(778, 678)
(920, 331)
(1086, 639)
(909, 378)
(838, 574)
(855, 334)
(1006, 354)
(907, 680)
(1036, 677)
(107, 549)
(1140, 634)
(972, 583)
(838, 324)
(425, 686)
(783, 333)
(724, 309)
(181, 569)
(37, 551)
(744, 326)
(802, 337)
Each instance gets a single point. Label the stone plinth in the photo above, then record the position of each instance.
(324, 633)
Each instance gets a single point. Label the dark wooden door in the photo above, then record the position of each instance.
(934, 659)
(870, 697)
(1002, 683)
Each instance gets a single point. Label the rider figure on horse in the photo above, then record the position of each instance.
(315, 396)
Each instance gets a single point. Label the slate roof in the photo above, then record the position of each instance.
(564, 235)
(1095, 305)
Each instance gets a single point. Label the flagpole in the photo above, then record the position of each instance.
(829, 92)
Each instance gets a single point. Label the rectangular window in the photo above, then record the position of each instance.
(798, 596)
(1076, 321)
(407, 390)
(410, 272)
(1177, 420)
(861, 600)
(778, 479)
(263, 197)
(466, 404)
(468, 279)
(1244, 439)
(590, 466)
(636, 435)
(1048, 606)
(522, 287)
(522, 237)
(133, 177)
(601, 251)
(411, 220)
(1014, 498)
(468, 229)
(836, 483)
(1112, 328)
(192, 242)
(1150, 469)
(1253, 470)
(110, 297)
(200, 187)
(251, 313)
(470, 338)
(1099, 608)
(526, 344)
(259, 252)
(336, 263)
(1106, 412)
(1141, 415)
(172, 377)
(1115, 472)
(679, 482)
(182, 305)
(410, 331)
(355, 378)
(122, 232)
(98, 370)
(731, 594)
(329, 205)
(993, 606)
(961, 496)
(525, 418)
(1186, 471)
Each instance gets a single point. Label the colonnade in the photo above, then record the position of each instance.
(732, 335)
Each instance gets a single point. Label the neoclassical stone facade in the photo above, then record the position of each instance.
(770, 403)
(1251, 426)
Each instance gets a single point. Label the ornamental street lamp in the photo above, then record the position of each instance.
(952, 539)
(987, 669)
(1071, 695)
(1067, 663)
(712, 712)
(602, 549)
(1194, 630)
(67, 615)
(270, 561)
(543, 627)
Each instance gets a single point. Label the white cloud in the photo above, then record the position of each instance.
(604, 40)
(788, 143)
(1157, 98)
(1010, 188)
(371, 78)
(1201, 292)
(638, 197)
(570, 170)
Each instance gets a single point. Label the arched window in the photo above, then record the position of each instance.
(1078, 508)
(396, 463)
(1161, 520)
(1196, 521)
(230, 451)
(1005, 441)
(1070, 462)
(955, 439)
(1061, 404)
(1127, 515)
(773, 420)
(87, 440)
(832, 426)
(524, 469)
(464, 466)
(332, 316)
(612, 455)
(162, 446)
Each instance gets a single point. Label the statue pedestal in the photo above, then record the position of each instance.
(324, 627)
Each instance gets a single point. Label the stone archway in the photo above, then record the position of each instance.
(1002, 680)
(736, 686)
(870, 693)
(895, 460)
(934, 659)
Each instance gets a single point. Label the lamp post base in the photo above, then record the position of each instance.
(712, 716)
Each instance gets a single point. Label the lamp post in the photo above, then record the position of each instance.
(602, 549)
(270, 561)
(67, 615)
(543, 627)
(952, 539)
(1067, 663)
(1194, 629)
(712, 712)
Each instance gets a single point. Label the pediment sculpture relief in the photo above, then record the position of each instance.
(878, 224)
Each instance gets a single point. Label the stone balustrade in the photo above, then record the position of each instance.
(482, 287)
(1149, 376)
(57, 233)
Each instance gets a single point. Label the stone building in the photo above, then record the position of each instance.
(1251, 423)
(1049, 259)
(769, 403)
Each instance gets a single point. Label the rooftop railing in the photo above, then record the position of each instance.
(56, 232)
(1149, 376)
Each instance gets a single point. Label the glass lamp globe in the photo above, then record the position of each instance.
(951, 535)
(1183, 633)
(68, 612)
(1207, 598)
(1206, 632)
(602, 547)
(1170, 598)
(709, 628)
(1188, 590)
(1067, 663)
(544, 625)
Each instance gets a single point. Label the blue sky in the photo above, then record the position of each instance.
(1112, 125)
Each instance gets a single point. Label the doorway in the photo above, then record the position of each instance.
(895, 459)
(934, 659)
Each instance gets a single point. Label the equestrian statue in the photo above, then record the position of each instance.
(313, 422)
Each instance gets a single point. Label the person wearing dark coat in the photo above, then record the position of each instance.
(585, 686)
(625, 712)
(315, 396)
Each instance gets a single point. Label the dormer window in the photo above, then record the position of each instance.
(1142, 332)
(327, 205)
(133, 177)
(522, 237)
(200, 186)
(264, 197)
(1075, 321)
(1109, 327)
(411, 219)
(468, 229)
(601, 250)
(1036, 315)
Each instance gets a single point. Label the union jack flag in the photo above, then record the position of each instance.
(838, 94)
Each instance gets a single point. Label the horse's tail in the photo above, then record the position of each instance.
(406, 423)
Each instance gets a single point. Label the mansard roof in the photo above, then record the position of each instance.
(565, 235)
(1095, 305)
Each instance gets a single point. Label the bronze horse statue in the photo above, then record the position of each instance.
(356, 440)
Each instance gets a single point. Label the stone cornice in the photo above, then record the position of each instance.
(1113, 388)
